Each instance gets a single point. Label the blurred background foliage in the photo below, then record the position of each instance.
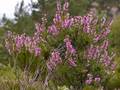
(24, 22)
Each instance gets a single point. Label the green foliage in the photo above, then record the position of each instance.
(6, 73)
(22, 23)
(115, 34)
(79, 7)
(3, 54)
(89, 88)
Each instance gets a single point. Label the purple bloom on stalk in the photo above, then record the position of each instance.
(97, 38)
(27, 42)
(54, 60)
(86, 23)
(53, 30)
(69, 46)
(36, 37)
(107, 61)
(72, 62)
(37, 51)
(106, 58)
(106, 32)
(97, 79)
(39, 27)
(67, 23)
(58, 7)
(57, 19)
(113, 66)
(93, 52)
(86, 20)
(88, 81)
(66, 6)
(105, 44)
(19, 42)
(86, 29)
(55, 56)
(49, 66)
(77, 20)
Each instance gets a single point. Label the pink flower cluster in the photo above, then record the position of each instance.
(53, 30)
(70, 51)
(72, 62)
(101, 35)
(61, 19)
(100, 52)
(86, 20)
(67, 23)
(93, 52)
(39, 27)
(17, 43)
(54, 60)
(66, 6)
(69, 46)
(92, 79)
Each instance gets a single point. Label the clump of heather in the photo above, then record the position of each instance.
(16, 43)
(72, 51)
(54, 60)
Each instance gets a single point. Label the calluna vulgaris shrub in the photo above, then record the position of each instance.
(72, 51)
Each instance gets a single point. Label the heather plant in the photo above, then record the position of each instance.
(73, 51)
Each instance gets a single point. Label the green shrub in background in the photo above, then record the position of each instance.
(115, 34)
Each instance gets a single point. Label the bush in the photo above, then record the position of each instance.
(72, 51)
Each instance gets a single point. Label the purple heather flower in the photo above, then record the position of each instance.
(106, 32)
(67, 23)
(88, 81)
(39, 27)
(113, 66)
(72, 62)
(57, 19)
(27, 42)
(69, 46)
(107, 61)
(55, 56)
(58, 7)
(77, 19)
(97, 79)
(97, 38)
(105, 44)
(86, 28)
(19, 42)
(86, 20)
(54, 60)
(66, 6)
(37, 51)
(86, 23)
(106, 58)
(53, 30)
(50, 66)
